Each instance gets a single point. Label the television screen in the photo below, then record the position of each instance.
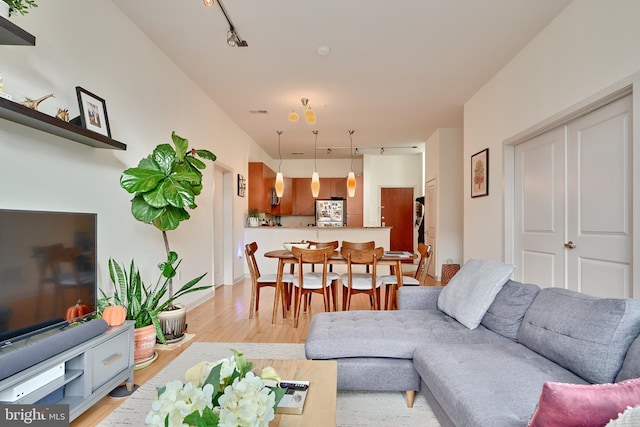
(47, 265)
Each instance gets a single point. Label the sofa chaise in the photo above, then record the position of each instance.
(504, 353)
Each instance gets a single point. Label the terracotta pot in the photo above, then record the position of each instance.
(173, 323)
(144, 340)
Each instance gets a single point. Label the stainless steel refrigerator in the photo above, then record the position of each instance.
(331, 212)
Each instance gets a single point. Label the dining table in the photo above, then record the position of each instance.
(394, 259)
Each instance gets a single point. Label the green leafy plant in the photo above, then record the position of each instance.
(143, 302)
(253, 213)
(164, 185)
(20, 6)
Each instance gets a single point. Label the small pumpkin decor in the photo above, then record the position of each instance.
(114, 315)
(78, 310)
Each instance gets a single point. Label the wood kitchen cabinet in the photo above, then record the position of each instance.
(261, 182)
(303, 201)
(355, 206)
(286, 201)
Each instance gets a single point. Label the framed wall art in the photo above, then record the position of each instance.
(242, 185)
(93, 112)
(480, 173)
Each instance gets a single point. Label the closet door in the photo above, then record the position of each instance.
(572, 225)
(599, 201)
(539, 209)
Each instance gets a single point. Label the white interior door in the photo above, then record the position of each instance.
(572, 204)
(218, 228)
(539, 209)
(430, 223)
(599, 201)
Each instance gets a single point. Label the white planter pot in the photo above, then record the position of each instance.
(253, 221)
(4, 9)
(173, 323)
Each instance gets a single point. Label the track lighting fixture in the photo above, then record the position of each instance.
(328, 151)
(279, 177)
(357, 151)
(381, 150)
(309, 114)
(351, 178)
(233, 38)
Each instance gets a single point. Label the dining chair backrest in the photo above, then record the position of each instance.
(362, 256)
(359, 245)
(316, 256)
(250, 250)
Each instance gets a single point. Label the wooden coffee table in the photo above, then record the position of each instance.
(320, 406)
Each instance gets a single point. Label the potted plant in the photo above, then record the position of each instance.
(164, 185)
(253, 217)
(16, 6)
(143, 303)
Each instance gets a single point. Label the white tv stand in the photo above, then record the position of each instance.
(92, 369)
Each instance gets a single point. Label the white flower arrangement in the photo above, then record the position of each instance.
(224, 393)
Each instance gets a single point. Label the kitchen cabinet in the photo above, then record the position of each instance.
(285, 207)
(355, 206)
(262, 181)
(303, 201)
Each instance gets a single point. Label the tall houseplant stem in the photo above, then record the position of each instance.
(166, 247)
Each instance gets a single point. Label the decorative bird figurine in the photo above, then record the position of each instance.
(33, 103)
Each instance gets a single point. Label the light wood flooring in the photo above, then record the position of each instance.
(225, 318)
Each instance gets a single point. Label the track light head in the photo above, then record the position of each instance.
(232, 39)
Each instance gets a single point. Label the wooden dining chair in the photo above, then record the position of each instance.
(390, 281)
(355, 283)
(334, 277)
(259, 281)
(312, 282)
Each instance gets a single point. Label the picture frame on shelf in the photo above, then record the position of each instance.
(480, 173)
(242, 185)
(93, 112)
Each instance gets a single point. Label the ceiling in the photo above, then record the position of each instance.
(396, 72)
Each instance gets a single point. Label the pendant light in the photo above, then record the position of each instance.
(279, 178)
(315, 179)
(351, 179)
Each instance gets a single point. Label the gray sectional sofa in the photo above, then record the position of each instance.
(490, 375)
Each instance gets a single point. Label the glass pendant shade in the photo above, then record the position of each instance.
(293, 116)
(315, 184)
(311, 120)
(351, 184)
(279, 184)
(309, 113)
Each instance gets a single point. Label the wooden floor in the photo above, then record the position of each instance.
(225, 318)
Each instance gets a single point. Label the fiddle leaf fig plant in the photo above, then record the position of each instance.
(164, 185)
(20, 6)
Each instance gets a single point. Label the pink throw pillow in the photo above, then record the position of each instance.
(584, 405)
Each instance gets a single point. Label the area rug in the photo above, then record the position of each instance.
(354, 409)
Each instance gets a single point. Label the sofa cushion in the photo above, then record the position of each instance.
(505, 314)
(631, 365)
(487, 385)
(392, 334)
(472, 290)
(579, 405)
(585, 334)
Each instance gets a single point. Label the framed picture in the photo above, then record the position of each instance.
(93, 112)
(480, 173)
(242, 185)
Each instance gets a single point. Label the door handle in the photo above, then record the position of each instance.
(570, 245)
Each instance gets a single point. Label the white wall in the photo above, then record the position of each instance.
(389, 171)
(590, 46)
(444, 163)
(93, 45)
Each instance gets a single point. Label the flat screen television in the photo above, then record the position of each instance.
(47, 265)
